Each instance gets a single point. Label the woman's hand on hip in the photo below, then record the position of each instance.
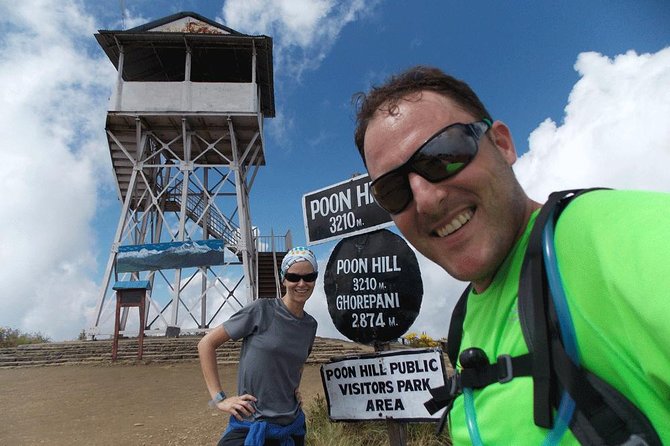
(239, 406)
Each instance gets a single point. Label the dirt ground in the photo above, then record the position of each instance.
(117, 404)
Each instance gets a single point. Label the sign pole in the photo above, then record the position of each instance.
(397, 430)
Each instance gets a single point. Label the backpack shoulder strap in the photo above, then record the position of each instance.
(456, 327)
(533, 301)
(603, 415)
(443, 396)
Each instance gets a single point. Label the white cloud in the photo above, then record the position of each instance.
(281, 126)
(440, 294)
(303, 31)
(296, 21)
(614, 132)
(130, 20)
(53, 153)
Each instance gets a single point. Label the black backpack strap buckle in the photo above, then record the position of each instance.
(502, 371)
(505, 373)
(443, 396)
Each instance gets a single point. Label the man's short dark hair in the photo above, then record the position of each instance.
(414, 80)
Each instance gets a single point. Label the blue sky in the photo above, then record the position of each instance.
(584, 86)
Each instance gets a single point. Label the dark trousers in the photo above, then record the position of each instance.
(236, 438)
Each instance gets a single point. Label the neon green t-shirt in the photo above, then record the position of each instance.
(613, 250)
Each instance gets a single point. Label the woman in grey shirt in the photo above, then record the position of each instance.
(277, 339)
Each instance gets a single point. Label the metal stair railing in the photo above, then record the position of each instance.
(275, 243)
(217, 225)
(274, 263)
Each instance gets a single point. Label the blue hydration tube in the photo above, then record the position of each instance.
(566, 406)
(471, 417)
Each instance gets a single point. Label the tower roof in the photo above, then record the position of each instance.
(150, 49)
(185, 21)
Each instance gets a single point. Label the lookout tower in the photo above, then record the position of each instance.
(185, 134)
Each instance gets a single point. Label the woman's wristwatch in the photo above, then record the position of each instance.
(217, 399)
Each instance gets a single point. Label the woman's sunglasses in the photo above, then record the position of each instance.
(295, 278)
(445, 154)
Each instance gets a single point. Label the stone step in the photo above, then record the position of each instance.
(156, 350)
(159, 342)
(130, 359)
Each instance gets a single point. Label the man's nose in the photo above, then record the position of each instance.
(427, 195)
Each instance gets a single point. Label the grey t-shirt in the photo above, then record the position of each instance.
(275, 347)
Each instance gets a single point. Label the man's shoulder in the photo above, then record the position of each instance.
(618, 198)
(612, 207)
(605, 226)
(600, 229)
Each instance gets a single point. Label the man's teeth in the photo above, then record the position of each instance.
(456, 223)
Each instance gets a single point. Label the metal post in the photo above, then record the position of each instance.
(119, 79)
(246, 246)
(112, 255)
(274, 264)
(187, 66)
(186, 167)
(205, 236)
(253, 62)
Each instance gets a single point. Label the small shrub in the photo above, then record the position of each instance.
(11, 337)
(422, 340)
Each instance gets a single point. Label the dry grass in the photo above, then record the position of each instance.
(322, 432)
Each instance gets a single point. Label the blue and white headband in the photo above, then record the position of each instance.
(295, 255)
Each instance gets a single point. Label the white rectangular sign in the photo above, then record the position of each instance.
(383, 385)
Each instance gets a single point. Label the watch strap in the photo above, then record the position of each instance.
(217, 398)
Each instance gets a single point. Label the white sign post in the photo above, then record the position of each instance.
(383, 386)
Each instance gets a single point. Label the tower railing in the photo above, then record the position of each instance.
(274, 243)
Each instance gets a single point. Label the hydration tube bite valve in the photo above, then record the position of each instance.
(473, 358)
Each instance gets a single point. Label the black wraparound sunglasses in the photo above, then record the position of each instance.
(443, 155)
(292, 277)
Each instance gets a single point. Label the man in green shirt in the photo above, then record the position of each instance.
(442, 167)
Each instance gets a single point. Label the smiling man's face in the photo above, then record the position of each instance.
(467, 223)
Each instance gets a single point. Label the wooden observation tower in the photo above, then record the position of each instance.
(185, 133)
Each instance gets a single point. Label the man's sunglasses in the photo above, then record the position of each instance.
(443, 155)
(295, 278)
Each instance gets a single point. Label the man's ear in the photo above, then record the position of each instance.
(502, 140)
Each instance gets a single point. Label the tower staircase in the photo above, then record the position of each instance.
(206, 216)
(221, 228)
(268, 274)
